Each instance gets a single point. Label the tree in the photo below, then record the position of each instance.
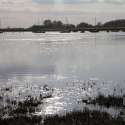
(115, 23)
(57, 24)
(71, 25)
(48, 24)
(83, 25)
(36, 27)
(99, 24)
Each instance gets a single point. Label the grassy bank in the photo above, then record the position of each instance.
(84, 117)
(108, 101)
(22, 108)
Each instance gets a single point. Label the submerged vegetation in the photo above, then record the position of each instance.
(108, 101)
(23, 106)
(84, 117)
(21, 120)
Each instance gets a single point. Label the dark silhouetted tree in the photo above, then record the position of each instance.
(83, 25)
(48, 24)
(57, 24)
(115, 23)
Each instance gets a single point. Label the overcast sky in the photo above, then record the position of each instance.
(25, 13)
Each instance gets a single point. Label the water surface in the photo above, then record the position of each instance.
(60, 58)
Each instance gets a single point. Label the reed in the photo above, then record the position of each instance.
(84, 117)
(21, 109)
(106, 101)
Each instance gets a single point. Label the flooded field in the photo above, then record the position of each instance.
(75, 66)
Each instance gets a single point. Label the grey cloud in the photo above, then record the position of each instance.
(70, 12)
(43, 1)
(9, 2)
(65, 1)
(16, 10)
(56, 12)
(14, 2)
(46, 11)
(80, 1)
(72, 2)
(115, 2)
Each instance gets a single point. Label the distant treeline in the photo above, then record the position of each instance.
(58, 24)
(48, 24)
(116, 23)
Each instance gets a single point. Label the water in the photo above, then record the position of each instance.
(60, 59)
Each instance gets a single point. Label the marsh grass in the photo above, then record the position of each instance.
(22, 111)
(28, 106)
(76, 117)
(84, 117)
(106, 101)
(21, 120)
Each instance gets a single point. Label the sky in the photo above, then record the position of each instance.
(25, 13)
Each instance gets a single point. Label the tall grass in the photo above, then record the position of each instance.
(84, 117)
(106, 101)
(15, 111)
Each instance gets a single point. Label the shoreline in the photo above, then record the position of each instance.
(29, 106)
